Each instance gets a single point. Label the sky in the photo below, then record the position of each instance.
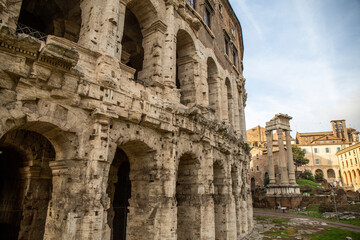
(302, 58)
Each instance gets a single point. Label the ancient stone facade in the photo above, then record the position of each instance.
(122, 120)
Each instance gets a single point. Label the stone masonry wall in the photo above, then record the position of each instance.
(93, 137)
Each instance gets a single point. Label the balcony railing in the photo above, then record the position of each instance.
(21, 28)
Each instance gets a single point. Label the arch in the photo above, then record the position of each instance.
(132, 53)
(188, 201)
(131, 182)
(64, 143)
(354, 177)
(230, 101)
(145, 12)
(212, 75)
(346, 179)
(25, 184)
(59, 18)
(252, 184)
(331, 173)
(350, 178)
(185, 51)
(219, 200)
(319, 171)
(358, 175)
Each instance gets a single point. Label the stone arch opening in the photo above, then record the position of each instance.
(132, 50)
(219, 200)
(230, 101)
(187, 197)
(330, 173)
(59, 18)
(131, 184)
(318, 171)
(350, 178)
(25, 184)
(185, 51)
(354, 176)
(346, 179)
(212, 75)
(252, 184)
(119, 190)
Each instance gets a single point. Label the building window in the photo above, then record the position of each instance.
(235, 56)
(315, 150)
(334, 141)
(208, 16)
(321, 142)
(305, 151)
(349, 153)
(347, 164)
(257, 168)
(227, 44)
(313, 138)
(339, 148)
(343, 164)
(327, 150)
(191, 3)
(329, 161)
(252, 169)
(317, 161)
(220, 8)
(355, 161)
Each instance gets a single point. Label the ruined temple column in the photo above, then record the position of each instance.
(283, 169)
(270, 158)
(290, 158)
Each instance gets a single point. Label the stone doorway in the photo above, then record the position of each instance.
(119, 190)
(25, 184)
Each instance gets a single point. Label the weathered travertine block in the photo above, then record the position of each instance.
(122, 120)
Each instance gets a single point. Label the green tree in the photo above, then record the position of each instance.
(299, 156)
(319, 177)
(308, 175)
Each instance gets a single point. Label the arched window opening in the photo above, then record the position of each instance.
(185, 51)
(119, 191)
(229, 100)
(354, 176)
(331, 173)
(219, 200)
(350, 178)
(346, 179)
(132, 50)
(212, 74)
(252, 184)
(25, 184)
(41, 18)
(188, 202)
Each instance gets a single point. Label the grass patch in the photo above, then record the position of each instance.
(335, 233)
(304, 182)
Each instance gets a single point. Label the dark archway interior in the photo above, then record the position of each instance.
(25, 184)
(11, 193)
(59, 18)
(119, 190)
(133, 52)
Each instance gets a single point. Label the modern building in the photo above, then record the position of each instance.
(321, 148)
(122, 119)
(350, 166)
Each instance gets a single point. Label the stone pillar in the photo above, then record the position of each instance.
(283, 169)
(270, 157)
(290, 158)
(103, 33)
(242, 116)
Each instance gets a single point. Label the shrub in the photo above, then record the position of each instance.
(308, 175)
(319, 177)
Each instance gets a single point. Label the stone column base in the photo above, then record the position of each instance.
(285, 196)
